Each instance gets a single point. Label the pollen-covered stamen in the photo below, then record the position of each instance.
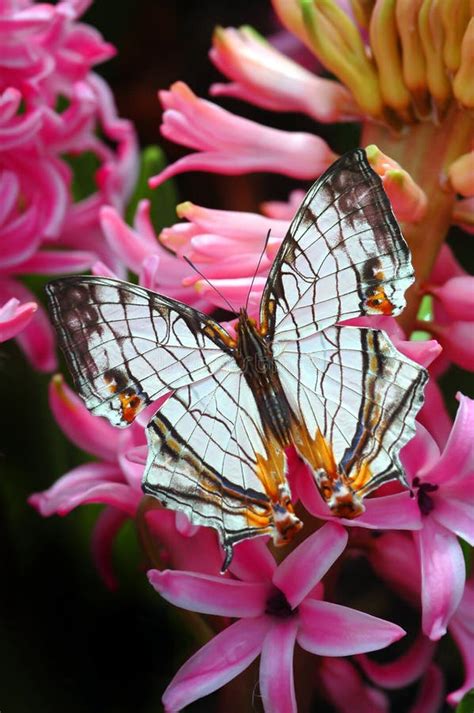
(277, 605)
(425, 501)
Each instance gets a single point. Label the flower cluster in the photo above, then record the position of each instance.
(401, 70)
(55, 113)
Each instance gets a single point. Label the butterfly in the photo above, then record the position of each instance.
(343, 396)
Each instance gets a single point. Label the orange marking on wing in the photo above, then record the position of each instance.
(216, 332)
(130, 404)
(377, 300)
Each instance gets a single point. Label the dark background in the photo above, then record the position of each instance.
(66, 642)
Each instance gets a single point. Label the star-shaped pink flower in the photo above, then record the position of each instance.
(276, 607)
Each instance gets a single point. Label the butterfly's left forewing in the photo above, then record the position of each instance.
(127, 346)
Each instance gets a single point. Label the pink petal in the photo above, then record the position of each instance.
(457, 459)
(430, 695)
(75, 487)
(105, 531)
(252, 560)
(395, 559)
(303, 568)
(434, 415)
(420, 453)
(218, 662)
(404, 670)
(210, 595)
(457, 296)
(457, 514)
(443, 576)
(346, 689)
(129, 245)
(199, 553)
(276, 667)
(329, 629)
(461, 628)
(14, 317)
(91, 433)
(56, 262)
(37, 340)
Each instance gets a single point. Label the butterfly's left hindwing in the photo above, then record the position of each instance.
(126, 346)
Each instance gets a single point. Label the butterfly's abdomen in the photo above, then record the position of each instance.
(255, 358)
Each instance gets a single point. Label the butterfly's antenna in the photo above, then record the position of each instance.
(257, 268)
(191, 264)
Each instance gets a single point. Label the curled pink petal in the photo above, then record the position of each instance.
(210, 595)
(457, 459)
(347, 691)
(276, 667)
(456, 296)
(430, 695)
(224, 657)
(461, 628)
(70, 488)
(329, 629)
(303, 568)
(127, 243)
(14, 317)
(404, 670)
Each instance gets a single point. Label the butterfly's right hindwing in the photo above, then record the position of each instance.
(126, 346)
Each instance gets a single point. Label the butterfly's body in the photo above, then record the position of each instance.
(343, 396)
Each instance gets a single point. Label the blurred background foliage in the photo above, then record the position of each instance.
(66, 642)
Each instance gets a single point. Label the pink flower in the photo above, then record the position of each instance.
(461, 627)
(394, 558)
(276, 607)
(264, 76)
(443, 486)
(228, 144)
(46, 62)
(114, 480)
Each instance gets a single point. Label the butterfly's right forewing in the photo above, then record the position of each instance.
(126, 346)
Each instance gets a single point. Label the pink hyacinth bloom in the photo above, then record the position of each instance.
(394, 557)
(52, 108)
(228, 144)
(276, 607)
(264, 76)
(443, 486)
(14, 317)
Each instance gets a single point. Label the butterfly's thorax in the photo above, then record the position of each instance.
(255, 357)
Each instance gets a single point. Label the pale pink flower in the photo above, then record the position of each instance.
(226, 246)
(264, 76)
(227, 143)
(276, 607)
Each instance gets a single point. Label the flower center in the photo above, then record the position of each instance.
(277, 605)
(425, 501)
